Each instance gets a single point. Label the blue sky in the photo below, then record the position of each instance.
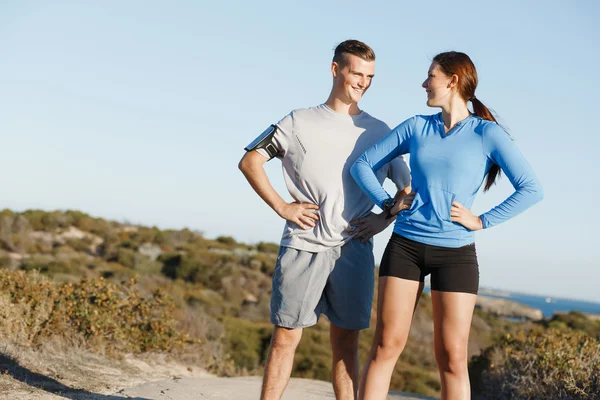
(139, 111)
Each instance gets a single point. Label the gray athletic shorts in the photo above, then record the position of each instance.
(337, 282)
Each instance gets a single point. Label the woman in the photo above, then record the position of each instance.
(451, 155)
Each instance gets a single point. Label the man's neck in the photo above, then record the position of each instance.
(342, 107)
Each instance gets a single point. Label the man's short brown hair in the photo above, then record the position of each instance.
(354, 47)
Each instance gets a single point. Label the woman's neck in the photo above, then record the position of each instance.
(454, 112)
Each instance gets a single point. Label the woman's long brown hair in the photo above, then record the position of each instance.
(456, 63)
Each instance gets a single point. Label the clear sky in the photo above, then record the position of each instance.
(139, 111)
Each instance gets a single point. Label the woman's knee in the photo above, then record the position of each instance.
(389, 344)
(452, 358)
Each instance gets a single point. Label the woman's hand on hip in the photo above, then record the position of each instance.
(464, 216)
(403, 202)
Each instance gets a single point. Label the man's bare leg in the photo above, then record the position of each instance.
(279, 362)
(344, 371)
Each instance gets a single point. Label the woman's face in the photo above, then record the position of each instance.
(438, 86)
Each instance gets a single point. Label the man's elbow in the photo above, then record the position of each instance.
(245, 163)
(250, 162)
(242, 164)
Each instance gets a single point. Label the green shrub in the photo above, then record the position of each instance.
(40, 247)
(246, 343)
(127, 257)
(35, 219)
(146, 266)
(227, 240)
(313, 357)
(265, 247)
(38, 262)
(5, 260)
(265, 262)
(48, 221)
(147, 235)
(202, 266)
(109, 248)
(576, 320)
(81, 245)
(171, 264)
(14, 233)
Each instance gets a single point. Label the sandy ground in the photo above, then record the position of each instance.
(61, 372)
(139, 380)
(247, 388)
(198, 388)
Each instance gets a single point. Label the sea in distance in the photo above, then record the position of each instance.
(548, 305)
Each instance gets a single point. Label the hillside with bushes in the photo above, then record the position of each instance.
(117, 289)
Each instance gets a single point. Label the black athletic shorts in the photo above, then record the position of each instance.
(451, 269)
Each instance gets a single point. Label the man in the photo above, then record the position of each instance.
(320, 269)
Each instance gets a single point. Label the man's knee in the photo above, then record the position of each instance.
(343, 340)
(285, 339)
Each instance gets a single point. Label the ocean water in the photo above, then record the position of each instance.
(548, 305)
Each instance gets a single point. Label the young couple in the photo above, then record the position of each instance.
(335, 157)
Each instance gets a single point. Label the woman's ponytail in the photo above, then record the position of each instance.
(456, 63)
(483, 112)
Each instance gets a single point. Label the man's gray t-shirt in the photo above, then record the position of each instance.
(317, 146)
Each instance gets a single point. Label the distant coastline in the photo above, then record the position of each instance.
(547, 304)
(512, 293)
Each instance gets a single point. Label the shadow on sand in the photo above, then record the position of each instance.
(9, 366)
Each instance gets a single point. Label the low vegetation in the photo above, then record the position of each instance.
(539, 364)
(117, 288)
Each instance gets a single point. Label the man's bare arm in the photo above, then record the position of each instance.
(252, 166)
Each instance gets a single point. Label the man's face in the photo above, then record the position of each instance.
(351, 81)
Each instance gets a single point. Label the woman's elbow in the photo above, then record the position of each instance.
(356, 168)
(353, 170)
(536, 192)
(539, 194)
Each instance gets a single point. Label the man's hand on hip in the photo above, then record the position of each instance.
(302, 214)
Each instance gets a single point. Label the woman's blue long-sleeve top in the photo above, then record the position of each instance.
(446, 167)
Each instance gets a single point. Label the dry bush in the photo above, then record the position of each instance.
(539, 364)
(14, 232)
(106, 315)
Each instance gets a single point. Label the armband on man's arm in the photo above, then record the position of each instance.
(265, 141)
